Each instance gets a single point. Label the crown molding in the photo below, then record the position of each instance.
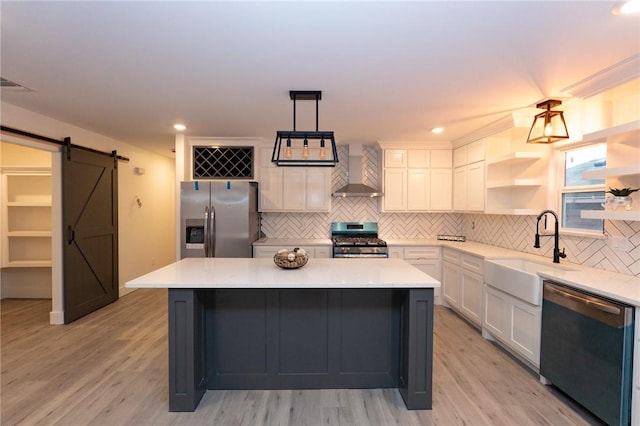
(615, 75)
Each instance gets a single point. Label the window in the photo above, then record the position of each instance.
(579, 194)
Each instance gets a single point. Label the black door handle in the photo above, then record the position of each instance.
(71, 234)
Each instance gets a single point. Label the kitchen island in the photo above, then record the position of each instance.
(335, 323)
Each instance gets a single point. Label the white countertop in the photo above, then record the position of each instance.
(621, 287)
(624, 288)
(239, 273)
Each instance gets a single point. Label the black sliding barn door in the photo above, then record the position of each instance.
(90, 223)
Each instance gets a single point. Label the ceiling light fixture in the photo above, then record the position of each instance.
(548, 126)
(437, 130)
(299, 149)
(180, 127)
(626, 7)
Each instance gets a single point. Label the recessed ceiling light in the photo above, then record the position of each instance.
(437, 130)
(180, 127)
(626, 7)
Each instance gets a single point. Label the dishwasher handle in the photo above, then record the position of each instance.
(605, 307)
(609, 312)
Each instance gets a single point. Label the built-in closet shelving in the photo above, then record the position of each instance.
(26, 217)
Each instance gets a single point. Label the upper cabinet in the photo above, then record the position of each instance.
(623, 168)
(416, 180)
(469, 177)
(293, 189)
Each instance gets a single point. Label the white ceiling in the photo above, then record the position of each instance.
(387, 70)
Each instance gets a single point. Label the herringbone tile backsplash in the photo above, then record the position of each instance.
(512, 232)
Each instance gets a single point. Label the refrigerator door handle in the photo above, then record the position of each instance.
(206, 231)
(213, 231)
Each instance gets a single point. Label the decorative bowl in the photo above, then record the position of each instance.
(294, 259)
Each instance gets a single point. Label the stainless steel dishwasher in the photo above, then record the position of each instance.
(587, 350)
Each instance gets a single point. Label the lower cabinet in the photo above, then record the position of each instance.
(471, 295)
(425, 258)
(312, 251)
(462, 281)
(451, 285)
(513, 322)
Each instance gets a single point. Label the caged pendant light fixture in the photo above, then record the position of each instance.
(548, 126)
(299, 148)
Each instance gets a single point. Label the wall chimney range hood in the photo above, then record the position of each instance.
(355, 187)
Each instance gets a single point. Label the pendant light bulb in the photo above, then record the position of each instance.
(323, 150)
(305, 149)
(287, 150)
(548, 129)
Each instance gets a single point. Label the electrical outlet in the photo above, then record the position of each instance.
(619, 243)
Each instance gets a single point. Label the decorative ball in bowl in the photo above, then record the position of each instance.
(294, 259)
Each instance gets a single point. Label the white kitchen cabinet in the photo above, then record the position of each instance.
(418, 158)
(395, 190)
(495, 314)
(469, 177)
(425, 258)
(418, 186)
(26, 218)
(293, 189)
(318, 189)
(462, 280)
(294, 197)
(451, 285)
(441, 189)
(469, 187)
(417, 180)
(460, 188)
(514, 323)
(475, 187)
(395, 158)
(270, 189)
(396, 253)
(306, 189)
(471, 280)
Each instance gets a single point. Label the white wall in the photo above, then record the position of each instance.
(146, 233)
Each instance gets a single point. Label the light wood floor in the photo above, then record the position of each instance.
(110, 368)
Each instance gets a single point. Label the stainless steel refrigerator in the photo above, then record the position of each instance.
(218, 219)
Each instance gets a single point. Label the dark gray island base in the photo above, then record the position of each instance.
(300, 339)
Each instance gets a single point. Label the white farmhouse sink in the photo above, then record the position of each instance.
(519, 277)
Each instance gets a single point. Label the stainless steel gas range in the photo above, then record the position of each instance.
(357, 239)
